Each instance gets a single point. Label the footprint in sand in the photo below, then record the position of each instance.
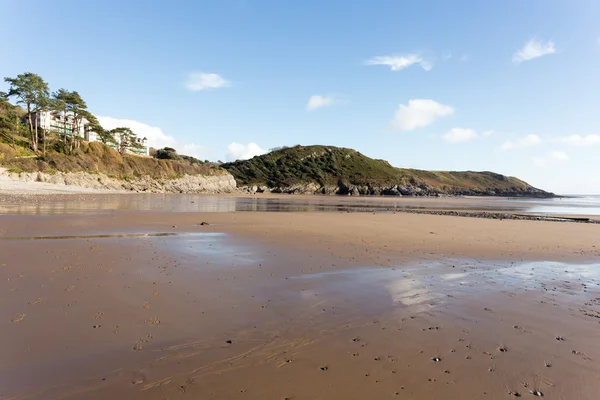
(37, 301)
(579, 353)
(153, 321)
(18, 318)
(70, 288)
(138, 378)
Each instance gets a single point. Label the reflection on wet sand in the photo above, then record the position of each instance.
(157, 316)
(80, 204)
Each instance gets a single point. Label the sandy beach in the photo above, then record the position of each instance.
(297, 305)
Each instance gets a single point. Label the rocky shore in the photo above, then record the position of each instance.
(501, 216)
(398, 190)
(28, 181)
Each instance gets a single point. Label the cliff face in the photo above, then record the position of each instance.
(96, 166)
(223, 183)
(333, 170)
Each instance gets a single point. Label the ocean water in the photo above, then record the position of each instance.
(572, 205)
(588, 205)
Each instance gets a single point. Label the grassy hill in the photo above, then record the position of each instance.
(344, 170)
(96, 157)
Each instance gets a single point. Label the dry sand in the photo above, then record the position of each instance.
(297, 306)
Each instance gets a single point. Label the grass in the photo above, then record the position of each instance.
(96, 157)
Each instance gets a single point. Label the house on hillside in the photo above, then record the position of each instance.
(62, 124)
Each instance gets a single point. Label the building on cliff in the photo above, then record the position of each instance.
(63, 124)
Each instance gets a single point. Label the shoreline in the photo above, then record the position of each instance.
(106, 201)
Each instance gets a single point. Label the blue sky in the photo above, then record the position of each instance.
(507, 86)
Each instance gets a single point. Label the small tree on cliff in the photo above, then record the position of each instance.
(104, 135)
(128, 140)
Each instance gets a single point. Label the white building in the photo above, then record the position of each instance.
(62, 124)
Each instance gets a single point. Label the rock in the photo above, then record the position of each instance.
(223, 183)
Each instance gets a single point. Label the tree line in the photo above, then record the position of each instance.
(32, 93)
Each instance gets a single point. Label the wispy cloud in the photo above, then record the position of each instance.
(398, 63)
(238, 151)
(526, 141)
(419, 113)
(579, 140)
(458, 135)
(198, 81)
(551, 157)
(318, 101)
(533, 49)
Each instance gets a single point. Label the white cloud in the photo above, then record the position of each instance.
(578, 140)
(527, 141)
(419, 113)
(558, 155)
(551, 157)
(533, 49)
(156, 137)
(201, 81)
(238, 151)
(318, 101)
(398, 63)
(487, 133)
(457, 135)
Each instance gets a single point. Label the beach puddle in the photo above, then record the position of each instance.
(102, 236)
(426, 286)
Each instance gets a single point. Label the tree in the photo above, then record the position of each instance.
(73, 110)
(10, 115)
(105, 135)
(167, 153)
(127, 140)
(32, 92)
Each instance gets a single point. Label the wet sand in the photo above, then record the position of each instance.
(297, 305)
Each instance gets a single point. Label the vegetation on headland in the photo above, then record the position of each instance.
(96, 157)
(25, 146)
(348, 171)
(33, 95)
